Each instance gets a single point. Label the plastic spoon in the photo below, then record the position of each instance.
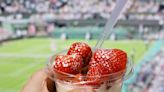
(120, 5)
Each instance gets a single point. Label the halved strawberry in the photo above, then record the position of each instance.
(81, 49)
(71, 64)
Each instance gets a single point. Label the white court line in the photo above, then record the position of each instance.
(23, 70)
(20, 72)
(34, 49)
(14, 55)
(8, 90)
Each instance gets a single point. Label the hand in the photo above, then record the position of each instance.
(39, 82)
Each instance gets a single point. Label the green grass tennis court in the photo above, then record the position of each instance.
(20, 58)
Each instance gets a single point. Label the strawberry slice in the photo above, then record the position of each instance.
(81, 49)
(71, 64)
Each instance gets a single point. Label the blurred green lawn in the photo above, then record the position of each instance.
(20, 58)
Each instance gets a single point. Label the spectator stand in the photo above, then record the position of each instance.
(156, 47)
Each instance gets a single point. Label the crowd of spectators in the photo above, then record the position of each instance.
(40, 10)
(154, 35)
(151, 76)
(83, 9)
(31, 31)
(146, 10)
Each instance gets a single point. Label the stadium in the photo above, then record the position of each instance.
(33, 30)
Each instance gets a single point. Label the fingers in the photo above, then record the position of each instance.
(39, 83)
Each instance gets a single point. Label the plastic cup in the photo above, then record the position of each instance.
(66, 82)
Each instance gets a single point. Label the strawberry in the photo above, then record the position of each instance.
(94, 74)
(71, 64)
(105, 62)
(105, 66)
(81, 49)
(113, 59)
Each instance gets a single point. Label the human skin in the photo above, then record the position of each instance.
(39, 82)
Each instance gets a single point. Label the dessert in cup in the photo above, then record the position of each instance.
(80, 68)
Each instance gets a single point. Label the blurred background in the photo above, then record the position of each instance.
(33, 30)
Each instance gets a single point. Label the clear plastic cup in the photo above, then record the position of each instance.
(66, 82)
